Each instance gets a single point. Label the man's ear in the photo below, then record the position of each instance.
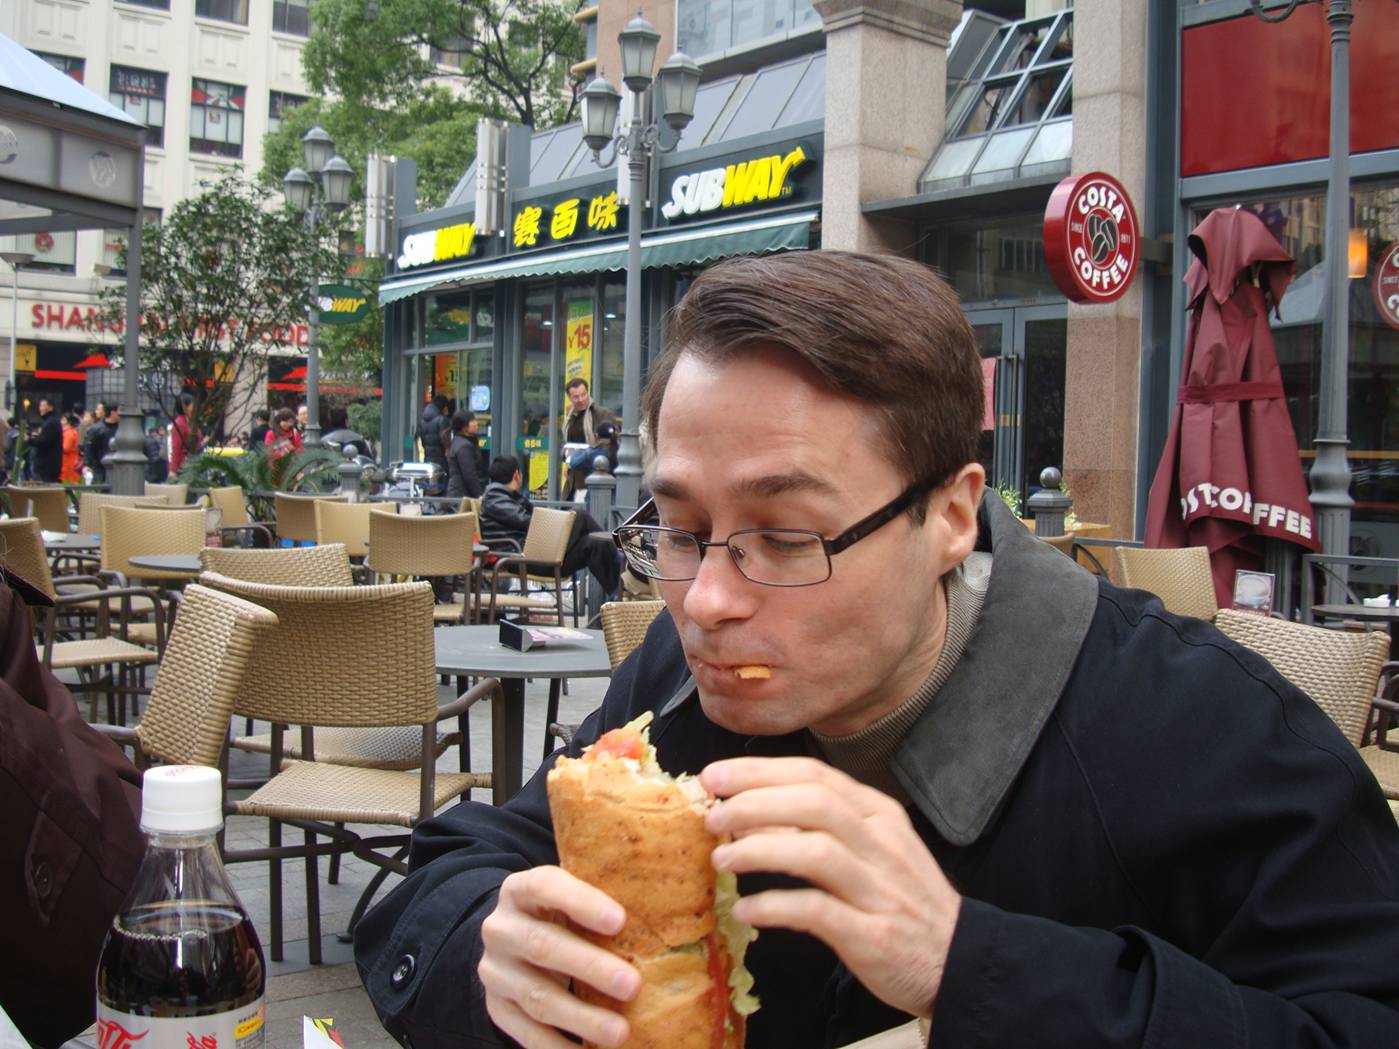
(955, 503)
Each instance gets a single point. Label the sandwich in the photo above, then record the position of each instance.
(626, 826)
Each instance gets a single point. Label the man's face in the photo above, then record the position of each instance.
(472, 426)
(44, 407)
(757, 443)
(579, 399)
(301, 415)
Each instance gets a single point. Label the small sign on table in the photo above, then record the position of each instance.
(1253, 592)
(522, 637)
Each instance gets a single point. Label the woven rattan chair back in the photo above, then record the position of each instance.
(287, 566)
(624, 626)
(22, 551)
(348, 523)
(128, 532)
(90, 506)
(231, 501)
(175, 494)
(1339, 669)
(296, 515)
(341, 656)
(1180, 578)
(49, 503)
(213, 642)
(421, 546)
(547, 538)
(471, 504)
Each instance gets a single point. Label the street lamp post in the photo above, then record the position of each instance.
(325, 191)
(676, 84)
(16, 259)
(1330, 473)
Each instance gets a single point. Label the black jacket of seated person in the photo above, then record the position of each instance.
(505, 514)
(1160, 842)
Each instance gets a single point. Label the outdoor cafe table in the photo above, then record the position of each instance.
(185, 564)
(1386, 614)
(70, 542)
(476, 651)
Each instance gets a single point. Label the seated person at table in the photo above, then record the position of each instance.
(506, 511)
(977, 786)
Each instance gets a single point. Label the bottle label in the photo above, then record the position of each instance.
(239, 1029)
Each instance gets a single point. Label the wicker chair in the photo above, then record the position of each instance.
(175, 494)
(231, 501)
(47, 502)
(121, 659)
(431, 547)
(624, 626)
(351, 692)
(296, 515)
(289, 566)
(1180, 578)
(211, 646)
(128, 532)
(545, 545)
(347, 523)
(90, 506)
(1339, 669)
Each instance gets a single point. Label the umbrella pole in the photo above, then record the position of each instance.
(1330, 474)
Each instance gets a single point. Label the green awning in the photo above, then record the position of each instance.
(670, 247)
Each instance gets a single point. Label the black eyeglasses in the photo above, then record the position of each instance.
(770, 556)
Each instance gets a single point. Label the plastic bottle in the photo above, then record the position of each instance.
(181, 966)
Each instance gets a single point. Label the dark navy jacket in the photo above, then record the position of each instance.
(1161, 844)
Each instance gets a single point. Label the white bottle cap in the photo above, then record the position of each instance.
(182, 799)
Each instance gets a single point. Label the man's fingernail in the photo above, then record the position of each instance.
(721, 856)
(715, 779)
(612, 918)
(623, 984)
(613, 1031)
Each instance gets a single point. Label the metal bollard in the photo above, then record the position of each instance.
(350, 471)
(602, 486)
(1048, 506)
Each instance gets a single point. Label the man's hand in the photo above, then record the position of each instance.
(530, 955)
(879, 899)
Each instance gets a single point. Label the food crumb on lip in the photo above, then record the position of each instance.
(754, 671)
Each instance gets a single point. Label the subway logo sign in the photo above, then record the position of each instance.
(760, 180)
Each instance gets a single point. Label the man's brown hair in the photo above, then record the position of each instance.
(882, 329)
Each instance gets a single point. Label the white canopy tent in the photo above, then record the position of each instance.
(71, 153)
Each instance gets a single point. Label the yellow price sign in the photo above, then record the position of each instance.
(26, 357)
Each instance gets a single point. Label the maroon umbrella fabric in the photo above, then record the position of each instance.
(1230, 474)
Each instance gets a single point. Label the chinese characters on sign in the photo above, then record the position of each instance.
(563, 223)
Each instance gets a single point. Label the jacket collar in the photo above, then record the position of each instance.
(961, 757)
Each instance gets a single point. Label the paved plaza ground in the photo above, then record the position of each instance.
(296, 988)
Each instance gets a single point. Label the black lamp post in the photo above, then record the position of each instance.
(325, 191)
(1330, 474)
(676, 84)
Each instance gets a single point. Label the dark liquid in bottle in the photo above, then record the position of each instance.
(184, 958)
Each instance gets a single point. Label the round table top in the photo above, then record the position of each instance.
(1379, 613)
(185, 563)
(477, 650)
(71, 541)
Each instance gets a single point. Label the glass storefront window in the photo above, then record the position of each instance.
(609, 375)
(537, 426)
(447, 318)
(1373, 405)
(1002, 260)
(485, 318)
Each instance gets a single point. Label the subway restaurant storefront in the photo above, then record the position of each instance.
(501, 322)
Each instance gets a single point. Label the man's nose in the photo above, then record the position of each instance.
(719, 592)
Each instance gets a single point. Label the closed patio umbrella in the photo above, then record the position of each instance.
(1230, 475)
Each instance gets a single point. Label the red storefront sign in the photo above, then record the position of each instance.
(1386, 285)
(1091, 239)
(59, 316)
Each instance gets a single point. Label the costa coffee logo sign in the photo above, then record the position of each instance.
(1387, 285)
(1091, 239)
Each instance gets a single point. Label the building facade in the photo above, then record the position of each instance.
(940, 131)
(209, 78)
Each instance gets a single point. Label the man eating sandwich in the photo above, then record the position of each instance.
(958, 779)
